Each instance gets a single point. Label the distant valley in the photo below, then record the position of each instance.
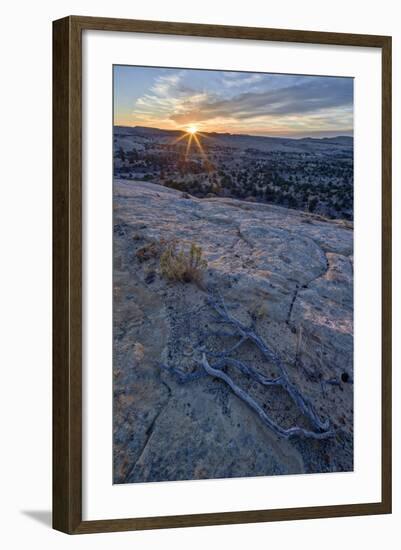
(309, 174)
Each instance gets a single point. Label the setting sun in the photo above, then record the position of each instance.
(192, 129)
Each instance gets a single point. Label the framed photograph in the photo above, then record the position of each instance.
(222, 275)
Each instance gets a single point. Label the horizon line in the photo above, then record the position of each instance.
(311, 136)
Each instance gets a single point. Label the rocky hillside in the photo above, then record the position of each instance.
(285, 274)
(312, 175)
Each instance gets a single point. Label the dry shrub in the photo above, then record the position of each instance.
(183, 264)
(153, 249)
(138, 351)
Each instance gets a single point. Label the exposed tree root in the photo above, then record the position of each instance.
(322, 429)
(239, 392)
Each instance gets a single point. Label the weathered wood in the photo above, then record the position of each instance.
(265, 418)
(249, 333)
(322, 427)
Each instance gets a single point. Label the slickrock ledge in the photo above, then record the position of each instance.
(288, 272)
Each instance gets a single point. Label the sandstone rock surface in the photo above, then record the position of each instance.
(288, 272)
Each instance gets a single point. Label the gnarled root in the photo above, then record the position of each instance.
(239, 392)
(249, 333)
(322, 429)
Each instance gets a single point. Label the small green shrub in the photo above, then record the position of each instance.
(259, 310)
(183, 264)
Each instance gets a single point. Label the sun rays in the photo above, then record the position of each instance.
(192, 135)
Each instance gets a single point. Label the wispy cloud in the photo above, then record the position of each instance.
(232, 80)
(245, 102)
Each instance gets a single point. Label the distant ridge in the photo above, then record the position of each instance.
(147, 130)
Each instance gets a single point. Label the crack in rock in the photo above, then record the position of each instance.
(306, 285)
(150, 431)
(294, 297)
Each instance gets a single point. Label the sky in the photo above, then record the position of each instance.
(234, 102)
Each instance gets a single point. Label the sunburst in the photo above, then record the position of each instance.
(192, 134)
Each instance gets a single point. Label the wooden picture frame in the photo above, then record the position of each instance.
(67, 274)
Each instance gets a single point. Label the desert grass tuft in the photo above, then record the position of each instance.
(183, 264)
